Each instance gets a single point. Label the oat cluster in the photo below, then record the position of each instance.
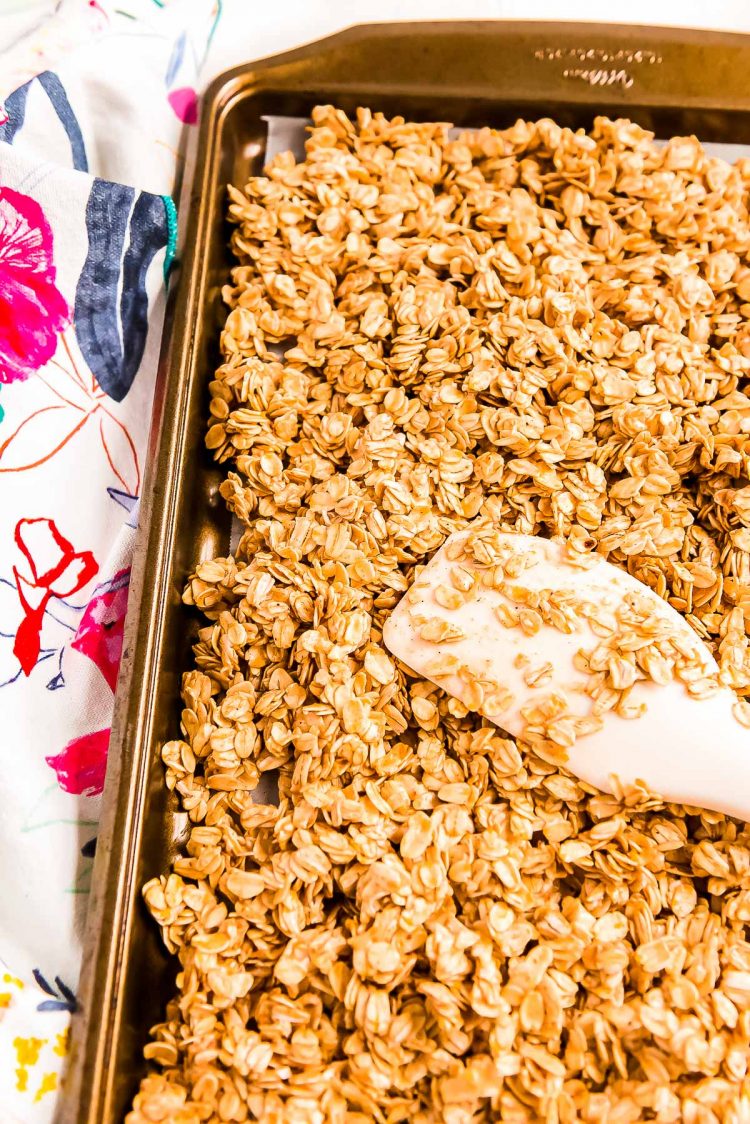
(552, 329)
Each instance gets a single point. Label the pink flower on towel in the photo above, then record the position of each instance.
(184, 102)
(100, 632)
(32, 308)
(81, 766)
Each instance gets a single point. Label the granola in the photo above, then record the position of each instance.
(437, 924)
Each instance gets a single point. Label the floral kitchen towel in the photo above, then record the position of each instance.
(94, 102)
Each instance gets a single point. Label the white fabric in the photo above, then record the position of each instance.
(95, 102)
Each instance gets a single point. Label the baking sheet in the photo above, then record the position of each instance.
(678, 82)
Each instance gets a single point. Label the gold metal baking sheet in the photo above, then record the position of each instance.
(674, 82)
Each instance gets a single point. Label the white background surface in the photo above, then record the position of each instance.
(278, 25)
(251, 29)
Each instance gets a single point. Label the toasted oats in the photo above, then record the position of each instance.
(538, 676)
(741, 711)
(438, 631)
(507, 615)
(463, 579)
(448, 598)
(550, 329)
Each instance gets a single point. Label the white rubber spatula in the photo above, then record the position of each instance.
(580, 660)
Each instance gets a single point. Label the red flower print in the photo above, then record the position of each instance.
(32, 308)
(82, 765)
(63, 572)
(100, 632)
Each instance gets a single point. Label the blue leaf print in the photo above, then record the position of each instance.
(15, 108)
(66, 992)
(57, 681)
(128, 502)
(111, 305)
(42, 982)
(95, 315)
(175, 60)
(55, 91)
(148, 235)
(63, 998)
